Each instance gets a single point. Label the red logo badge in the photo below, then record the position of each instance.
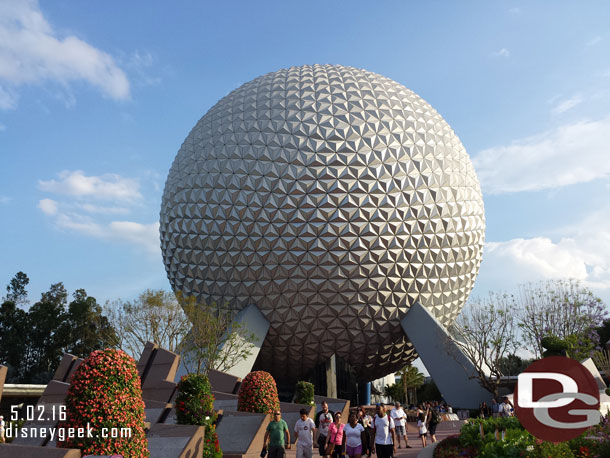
(557, 399)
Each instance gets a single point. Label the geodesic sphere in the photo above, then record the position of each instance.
(333, 198)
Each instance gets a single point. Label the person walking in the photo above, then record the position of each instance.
(305, 430)
(365, 420)
(385, 436)
(354, 437)
(433, 420)
(336, 438)
(422, 418)
(495, 408)
(323, 420)
(400, 421)
(506, 408)
(278, 435)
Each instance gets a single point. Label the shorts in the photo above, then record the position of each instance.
(276, 452)
(432, 428)
(400, 431)
(304, 451)
(384, 451)
(351, 451)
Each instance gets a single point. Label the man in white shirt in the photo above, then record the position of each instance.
(323, 419)
(506, 408)
(383, 426)
(305, 429)
(400, 421)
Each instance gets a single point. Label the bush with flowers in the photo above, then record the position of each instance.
(505, 437)
(304, 393)
(105, 392)
(195, 406)
(258, 393)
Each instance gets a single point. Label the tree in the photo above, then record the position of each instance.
(45, 340)
(16, 290)
(13, 340)
(429, 392)
(411, 379)
(485, 333)
(32, 342)
(512, 364)
(560, 308)
(394, 392)
(155, 316)
(216, 340)
(85, 327)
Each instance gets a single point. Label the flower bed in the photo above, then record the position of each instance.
(258, 393)
(505, 437)
(195, 406)
(105, 392)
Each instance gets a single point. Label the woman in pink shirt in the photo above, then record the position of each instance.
(335, 438)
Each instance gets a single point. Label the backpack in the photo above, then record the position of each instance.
(435, 418)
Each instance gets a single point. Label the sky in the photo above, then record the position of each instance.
(97, 97)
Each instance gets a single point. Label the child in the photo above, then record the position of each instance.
(421, 425)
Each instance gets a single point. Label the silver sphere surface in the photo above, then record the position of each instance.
(333, 198)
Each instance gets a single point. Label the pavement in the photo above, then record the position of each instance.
(443, 430)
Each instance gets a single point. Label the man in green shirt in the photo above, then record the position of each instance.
(276, 430)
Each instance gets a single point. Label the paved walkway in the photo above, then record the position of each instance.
(444, 429)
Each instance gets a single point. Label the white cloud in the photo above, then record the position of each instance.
(140, 64)
(108, 186)
(32, 52)
(514, 10)
(48, 206)
(580, 251)
(501, 53)
(594, 41)
(103, 210)
(5, 200)
(573, 153)
(566, 105)
(538, 257)
(145, 236)
(2, 127)
(79, 210)
(8, 99)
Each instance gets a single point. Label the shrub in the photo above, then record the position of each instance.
(304, 393)
(195, 406)
(106, 393)
(554, 346)
(258, 393)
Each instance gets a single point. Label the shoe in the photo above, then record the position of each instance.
(408, 446)
(399, 446)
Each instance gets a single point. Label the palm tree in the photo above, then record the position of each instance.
(410, 377)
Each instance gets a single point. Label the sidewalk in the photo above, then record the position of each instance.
(444, 429)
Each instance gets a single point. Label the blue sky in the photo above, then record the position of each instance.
(96, 98)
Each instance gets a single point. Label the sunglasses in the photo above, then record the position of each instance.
(277, 413)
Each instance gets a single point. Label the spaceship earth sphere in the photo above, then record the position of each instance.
(332, 198)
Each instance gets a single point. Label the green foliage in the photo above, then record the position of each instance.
(195, 406)
(554, 346)
(517, 442)
(32, 342)
(556, 450)
(258, 393)
(513, 364)
(216, 340)
(396, 392)
(428, 392)
(304, 393)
